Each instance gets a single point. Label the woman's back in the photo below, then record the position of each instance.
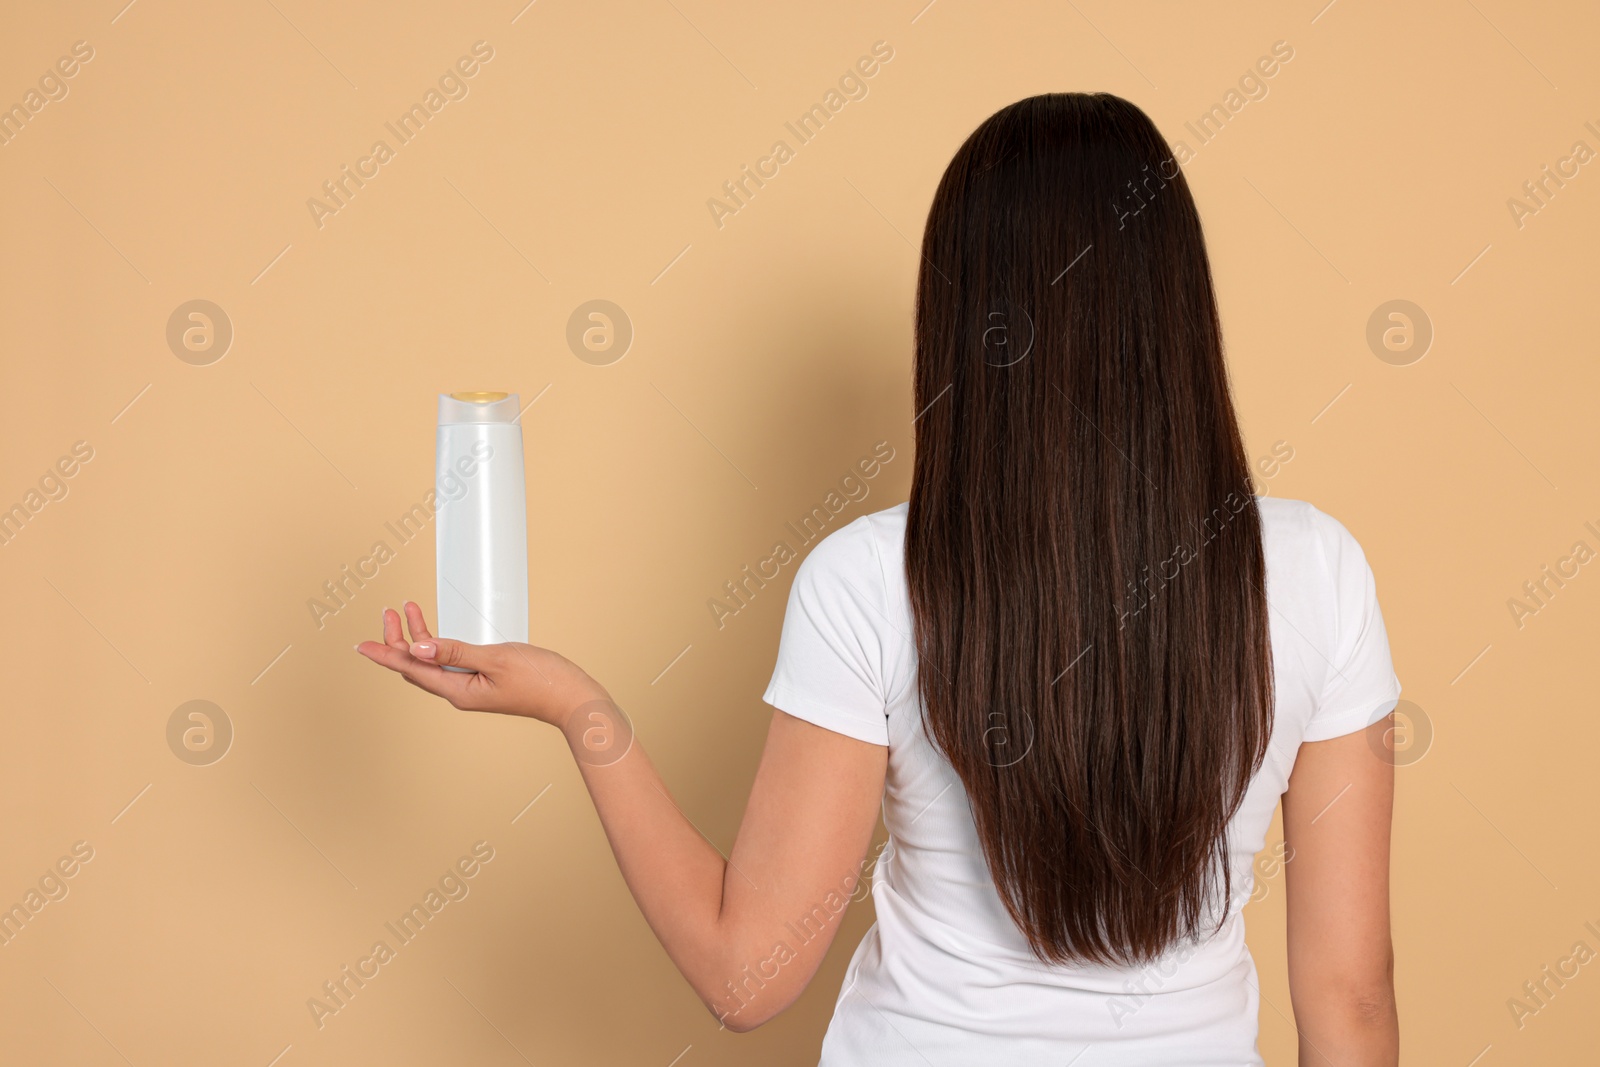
(946, 976)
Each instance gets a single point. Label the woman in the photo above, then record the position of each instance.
(1078, 670)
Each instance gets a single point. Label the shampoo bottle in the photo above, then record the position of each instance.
(481, 522)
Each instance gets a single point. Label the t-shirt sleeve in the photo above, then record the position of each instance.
(832, 655)
(1361, 686)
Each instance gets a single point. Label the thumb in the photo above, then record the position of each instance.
(448, 653)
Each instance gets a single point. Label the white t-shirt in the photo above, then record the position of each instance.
(944, 977)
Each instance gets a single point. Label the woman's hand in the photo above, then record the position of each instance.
(511, 679)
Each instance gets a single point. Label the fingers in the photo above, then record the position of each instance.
(448, 653)
(435, 679)
(392, 635)
(419, 625)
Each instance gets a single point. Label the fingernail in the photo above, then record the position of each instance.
(425, 649)
(356, 647)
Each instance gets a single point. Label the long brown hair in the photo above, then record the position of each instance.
(1083, 546)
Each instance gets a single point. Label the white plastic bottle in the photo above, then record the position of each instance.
(481, 523)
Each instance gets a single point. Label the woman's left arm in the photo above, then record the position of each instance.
(749, 931)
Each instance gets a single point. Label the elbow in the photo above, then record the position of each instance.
(740, 1022)
(751, 994)
(1356, 1000)
(1368, 1008)
(1354, 1006)
(1372, 1009)
(743, 1008)
(1372, 1002)
(745, 1017)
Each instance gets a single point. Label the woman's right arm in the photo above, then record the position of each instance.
(1336, 816)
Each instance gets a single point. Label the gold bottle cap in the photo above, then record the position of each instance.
(479, 398)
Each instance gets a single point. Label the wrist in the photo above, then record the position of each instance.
(598, 732)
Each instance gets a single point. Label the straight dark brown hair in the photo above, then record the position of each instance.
(1083, 547)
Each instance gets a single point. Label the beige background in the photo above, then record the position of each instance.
(769, 355)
